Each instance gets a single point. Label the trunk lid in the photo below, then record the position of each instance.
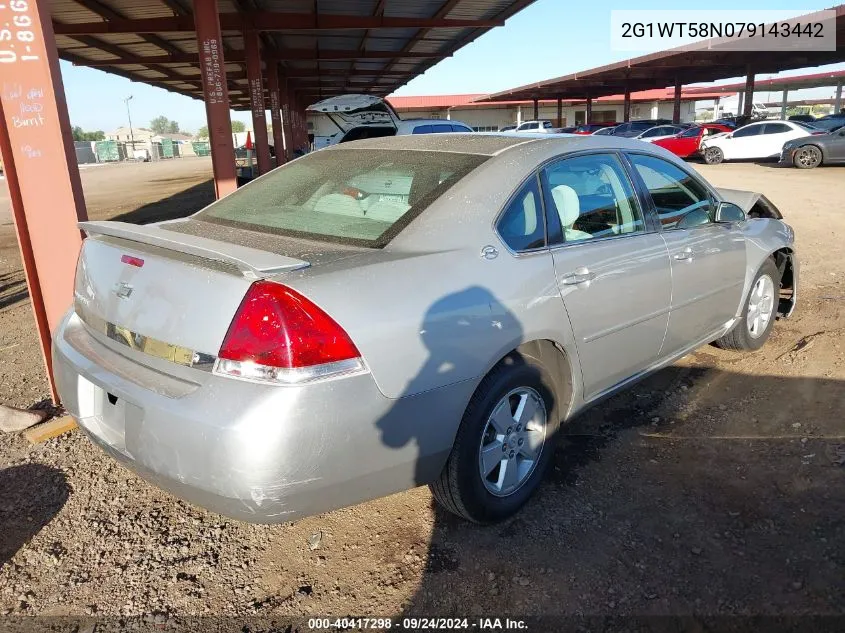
(347, 112)
(162, 293)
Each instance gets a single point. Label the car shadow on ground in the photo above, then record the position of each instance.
(697, 492)
(179, 205)
(31, 495)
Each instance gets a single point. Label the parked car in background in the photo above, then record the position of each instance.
(658, 132)
(812, 151)
(759, 140)
(568, 130)
(589, 128)
(357, 116)
(604, 131)
(830, 121)
(635, 128)
(535, 126)
(329, 333)
(804, 118)
(507, 128)
(687, 143)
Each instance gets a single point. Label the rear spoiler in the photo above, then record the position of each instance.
(253, 263)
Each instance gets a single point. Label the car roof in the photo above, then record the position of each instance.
(489, 143)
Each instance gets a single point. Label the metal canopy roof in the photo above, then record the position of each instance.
(692, 63)
(325, 47)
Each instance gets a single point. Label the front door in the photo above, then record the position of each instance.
(744, 142)
(612, 271)
(836, 146)
(707, 258)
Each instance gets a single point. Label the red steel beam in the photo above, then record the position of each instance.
(267, 21)
(216, 93)
(256, 98)
(276, 111)
(291, 54)
(40, 166)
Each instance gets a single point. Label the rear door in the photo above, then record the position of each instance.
(774, 136)
(707, 258)
(744, 142)
(611, 266)
(836, 146)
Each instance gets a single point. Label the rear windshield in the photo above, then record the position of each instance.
(362, 197)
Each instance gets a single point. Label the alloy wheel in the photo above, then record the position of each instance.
(761, 304)
(512, 441)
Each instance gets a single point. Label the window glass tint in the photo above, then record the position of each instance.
(440, 128)
(691, 133)
(681, 201)
(521, 225)
(531, 126)
(748, 130)
(592, 197)
(422, 129)
(547, 124)
(776, 128)
(356, 196)
(460, 128)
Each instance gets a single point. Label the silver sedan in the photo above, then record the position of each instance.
(406, 311)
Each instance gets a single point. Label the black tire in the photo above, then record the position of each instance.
(740, 337)
(807, 157)
(713, 155)
(460, 488)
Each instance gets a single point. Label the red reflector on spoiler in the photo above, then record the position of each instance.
(132, 261)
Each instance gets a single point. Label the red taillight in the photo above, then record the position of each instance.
(132, 261)
(277, 328)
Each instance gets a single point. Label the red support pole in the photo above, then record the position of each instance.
(536, 109)
(256, 100)
(275, 111)
(210, 45)
(40, 166)
(748, 106)
(588, 114)
(560, 113)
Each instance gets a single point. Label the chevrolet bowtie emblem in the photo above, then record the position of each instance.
(122, 290)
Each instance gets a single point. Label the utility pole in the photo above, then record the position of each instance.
(131, 133)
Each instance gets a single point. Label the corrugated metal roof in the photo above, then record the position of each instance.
(325, 59)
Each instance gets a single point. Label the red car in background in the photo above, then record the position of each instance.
(687, 142)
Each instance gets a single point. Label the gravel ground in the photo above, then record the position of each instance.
(713, 488)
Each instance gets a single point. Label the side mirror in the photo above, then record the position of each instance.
(729, 212)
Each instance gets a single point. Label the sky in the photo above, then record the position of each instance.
(548, 39)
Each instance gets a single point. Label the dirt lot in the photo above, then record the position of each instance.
(714, 488)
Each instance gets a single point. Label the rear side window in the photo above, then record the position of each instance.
(521, 225)
(441, 128)
(748, 130)
(692, 132)
(776, 128)
(681, 201)
(461, 128)
(362, 197)
(422, 129)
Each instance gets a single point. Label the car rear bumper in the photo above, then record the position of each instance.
(259, 453)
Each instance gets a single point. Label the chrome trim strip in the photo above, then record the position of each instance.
(145, 344)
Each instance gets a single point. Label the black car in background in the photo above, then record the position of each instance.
(819, 149)
(802, 118)
(635, 128)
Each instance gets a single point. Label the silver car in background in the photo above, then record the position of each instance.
(404, 311)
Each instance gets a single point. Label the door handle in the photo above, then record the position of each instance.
(579, 276)
(685, 255)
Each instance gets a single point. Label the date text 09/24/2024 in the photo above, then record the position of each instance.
(417, 624)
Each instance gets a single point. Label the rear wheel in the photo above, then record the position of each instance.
(504, 445)
(807, 157)
(758, 317)
(713, 155)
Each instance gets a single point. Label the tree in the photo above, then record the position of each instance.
(160, 124)
(81, 135)
(238, 126)
(203, 132)
(173, 127)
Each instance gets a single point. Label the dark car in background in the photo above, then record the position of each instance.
(830, 122)
(589, 128)
(819, 149)
(803, 118)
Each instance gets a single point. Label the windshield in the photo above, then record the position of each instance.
(361, 197)
(690, 133)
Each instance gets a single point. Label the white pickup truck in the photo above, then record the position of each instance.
(543, 125)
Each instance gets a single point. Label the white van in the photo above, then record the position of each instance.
(355, 116)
